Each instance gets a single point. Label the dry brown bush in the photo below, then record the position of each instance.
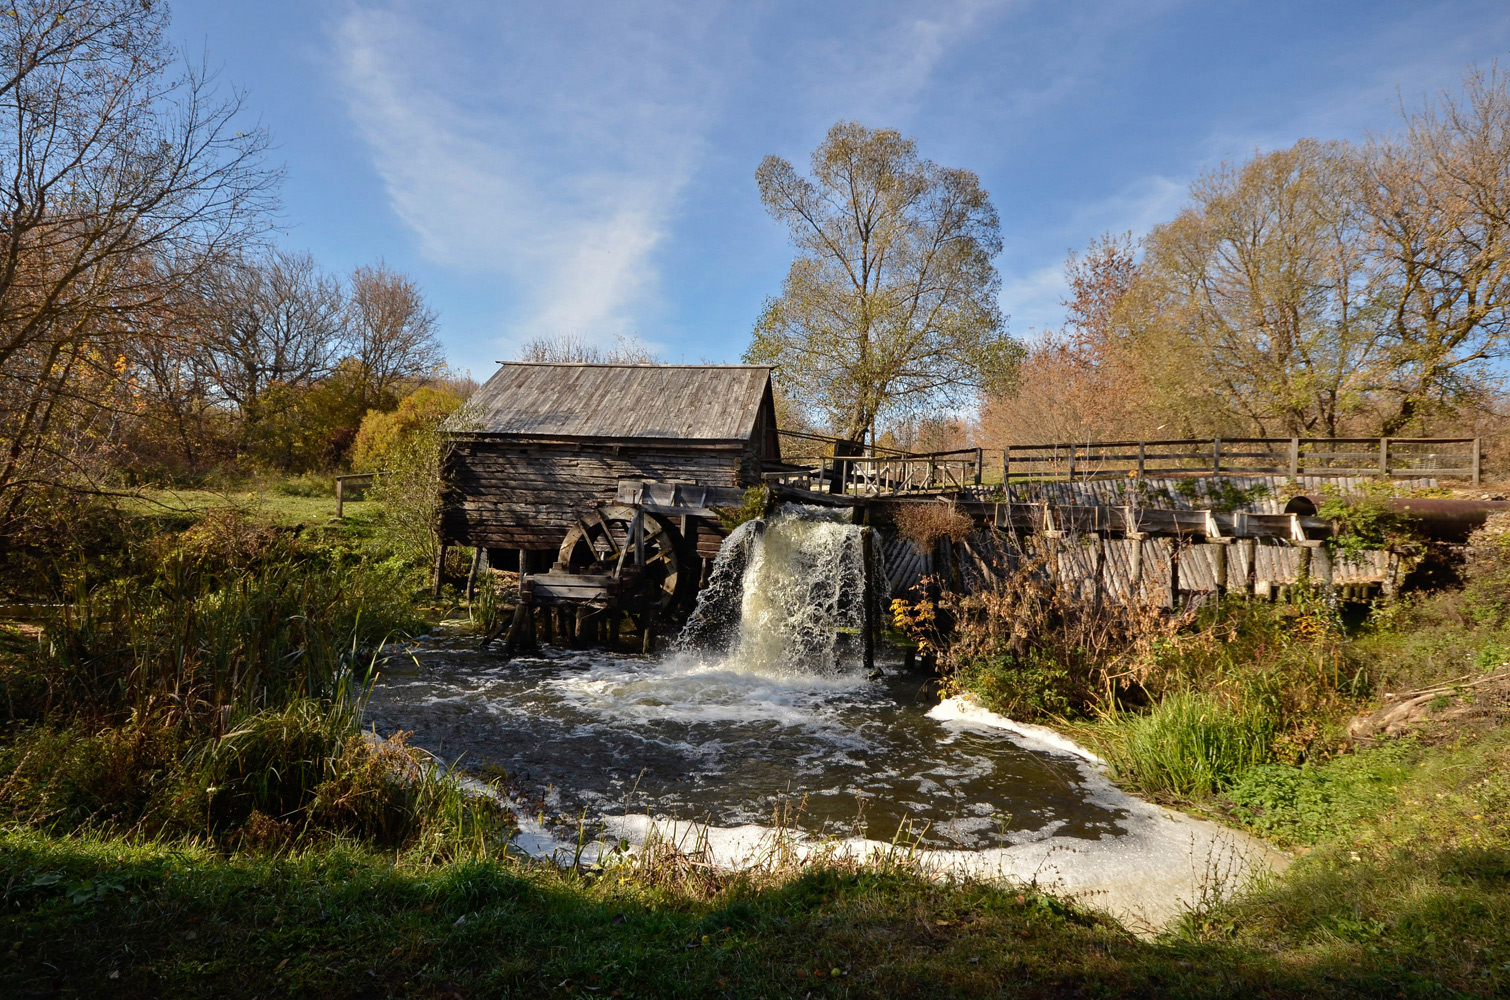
(923, 524)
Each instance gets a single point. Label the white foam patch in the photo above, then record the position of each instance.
(965, 709)
(685, 689)
(1160, 864)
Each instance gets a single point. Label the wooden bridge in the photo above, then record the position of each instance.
(890, 472)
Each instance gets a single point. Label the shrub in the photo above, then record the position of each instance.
(270, 763)
(76, 776)
(1365, 520)
(924, 524)
(1030, 646)
(385, 435)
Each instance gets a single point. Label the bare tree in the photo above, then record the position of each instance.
(568, 349)
(392, 331)
(1439, 201)
(265, 323)
(120, 183)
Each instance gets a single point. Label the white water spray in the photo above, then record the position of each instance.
(787, 595)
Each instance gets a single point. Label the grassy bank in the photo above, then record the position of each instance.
(106, 917)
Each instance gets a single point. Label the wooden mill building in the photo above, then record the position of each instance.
(541, 447)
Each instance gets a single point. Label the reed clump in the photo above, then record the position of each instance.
(205, 683)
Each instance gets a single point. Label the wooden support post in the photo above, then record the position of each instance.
(1322, 569)
(980, 460)
(1478, 455)
(647, 635)
(1303, 552)
(1249, 546)
(870, 623)
(511, 638)
(1050, 549)
(1142, 457)
(1384, 457)
(1174, 574)
(547, 620)
(340, 496)
(1006, 469)
(1135, 565)
(1219, 566)
(531, 640)
(1098, 568)
(1072, 463)
(439, 572)
(478, 553)
(1294, 458)
(1216, 456)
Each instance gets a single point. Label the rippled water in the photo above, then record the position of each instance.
(692, 738)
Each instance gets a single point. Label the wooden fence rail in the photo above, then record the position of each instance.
(356, 480)
(1455, 458)
(889, 475)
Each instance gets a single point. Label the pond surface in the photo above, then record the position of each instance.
(688, 738)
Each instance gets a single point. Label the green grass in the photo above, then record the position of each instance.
(102, 917)
(1186, 745)
(283, 508)
(1306, 805)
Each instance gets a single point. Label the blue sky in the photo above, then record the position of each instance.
(588, 168)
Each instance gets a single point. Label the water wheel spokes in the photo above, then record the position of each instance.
(616, 539)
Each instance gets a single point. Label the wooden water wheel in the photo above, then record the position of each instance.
(618, 540)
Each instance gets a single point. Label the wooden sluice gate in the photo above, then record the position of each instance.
(1158, 556)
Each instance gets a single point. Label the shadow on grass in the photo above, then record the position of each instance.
(103, 918)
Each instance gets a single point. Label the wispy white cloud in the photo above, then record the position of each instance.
(1034, 298)
(548, 149)
(550, 160)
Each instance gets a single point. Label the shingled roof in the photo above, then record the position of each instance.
(676, 402)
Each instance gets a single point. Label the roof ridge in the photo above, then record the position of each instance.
(625, 364)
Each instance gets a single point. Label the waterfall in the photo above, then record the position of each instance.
(787, 595)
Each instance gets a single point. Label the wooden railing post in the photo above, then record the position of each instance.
(1072, 462)
(1142, 457)
(1478, 455)
(1216, 456)
(1006, 467)
(1384, 457)
(340, 496)
(1294, 458)
(980, 460)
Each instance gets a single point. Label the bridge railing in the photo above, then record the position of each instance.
(886, 475)
(1448, 458)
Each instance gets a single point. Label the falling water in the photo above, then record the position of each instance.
(786, 595)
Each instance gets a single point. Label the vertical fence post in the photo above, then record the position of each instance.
(1478, 455)
(1142, 457)
(980, 460)
(1072, 462)
(1294, 458)
(340, 496)
(1216, 456)
(1006, 468)
(1384, 457)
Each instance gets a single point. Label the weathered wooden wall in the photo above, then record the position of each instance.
(521, 494)
(1169, 570)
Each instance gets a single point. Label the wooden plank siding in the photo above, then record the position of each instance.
(515, 494)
